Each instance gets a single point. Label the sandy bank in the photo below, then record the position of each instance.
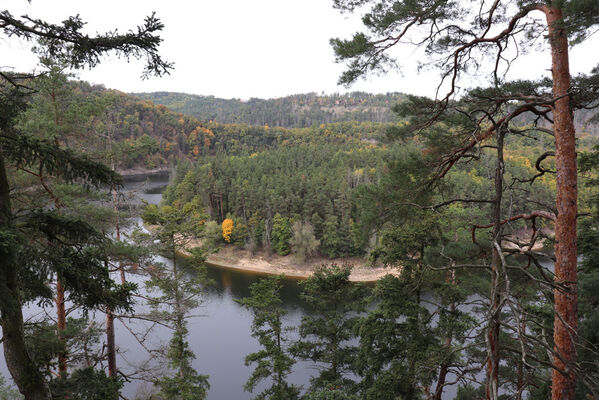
(271, 264)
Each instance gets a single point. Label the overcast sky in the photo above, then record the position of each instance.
(241, 48)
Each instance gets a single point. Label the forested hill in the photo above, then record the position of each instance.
(139, 134)
(148, 134)
(297, 111)
(305, 110)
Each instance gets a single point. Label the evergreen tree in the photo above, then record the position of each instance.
(588, 350)
(316, 222)
(327, 332)
(180, 289)
(281, 235)
(86, 384)
(331, 243)
(460, 36)
(273, 361)
(8, 392)
(77, 50)
(256, 229)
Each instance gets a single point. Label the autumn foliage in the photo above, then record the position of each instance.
(227, 229)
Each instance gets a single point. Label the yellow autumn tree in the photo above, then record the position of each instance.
(227, 229)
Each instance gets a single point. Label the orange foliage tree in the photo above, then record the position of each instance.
(227, 229)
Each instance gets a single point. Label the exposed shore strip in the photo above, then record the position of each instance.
(264, 264)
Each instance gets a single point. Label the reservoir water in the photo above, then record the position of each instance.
(220, 334)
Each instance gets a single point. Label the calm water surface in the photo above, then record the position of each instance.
(221, 336)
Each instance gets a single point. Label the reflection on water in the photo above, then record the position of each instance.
(221, 336)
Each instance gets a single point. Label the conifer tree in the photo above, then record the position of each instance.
(326, 333)
(461, 37)
(67, 42)
(179, 289)
(331, 243)
(281, 235)
(273, 361)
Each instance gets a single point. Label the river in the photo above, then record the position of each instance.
(221, 336)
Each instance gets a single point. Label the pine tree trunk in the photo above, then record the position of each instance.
(566, 294)
(444, 368)
(110, 339)
(110, 344)
(22, 369)
(61, 324)
(492, 386)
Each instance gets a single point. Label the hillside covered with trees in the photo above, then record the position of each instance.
(297, 111)
(305, 110)
(372, 191)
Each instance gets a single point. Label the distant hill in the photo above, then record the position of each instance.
(152, 130)
(296, 111)
(149, 135)
(305, 110)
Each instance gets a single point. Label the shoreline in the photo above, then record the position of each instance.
(262, 263)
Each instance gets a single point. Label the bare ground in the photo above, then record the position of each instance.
(261, 262)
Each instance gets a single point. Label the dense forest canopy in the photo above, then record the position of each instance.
(353, 189)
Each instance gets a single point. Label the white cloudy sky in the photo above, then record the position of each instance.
(241, 48)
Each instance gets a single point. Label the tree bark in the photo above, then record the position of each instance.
(22, 369)
(444, 369)
(492, 387)
(566, 294)
(110, 338)
(110, 344)
(61, 324)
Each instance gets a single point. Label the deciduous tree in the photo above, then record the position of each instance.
(303, 243)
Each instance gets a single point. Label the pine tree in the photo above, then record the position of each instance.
(179, 292)
(326, 333)
(459, 36)
(281, 235)
(331, 243)
(77, 50)
(273, 361)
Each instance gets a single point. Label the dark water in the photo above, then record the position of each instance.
(220, 331)
(221, 336)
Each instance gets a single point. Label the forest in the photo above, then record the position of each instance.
(483, 206)
(297, 111)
